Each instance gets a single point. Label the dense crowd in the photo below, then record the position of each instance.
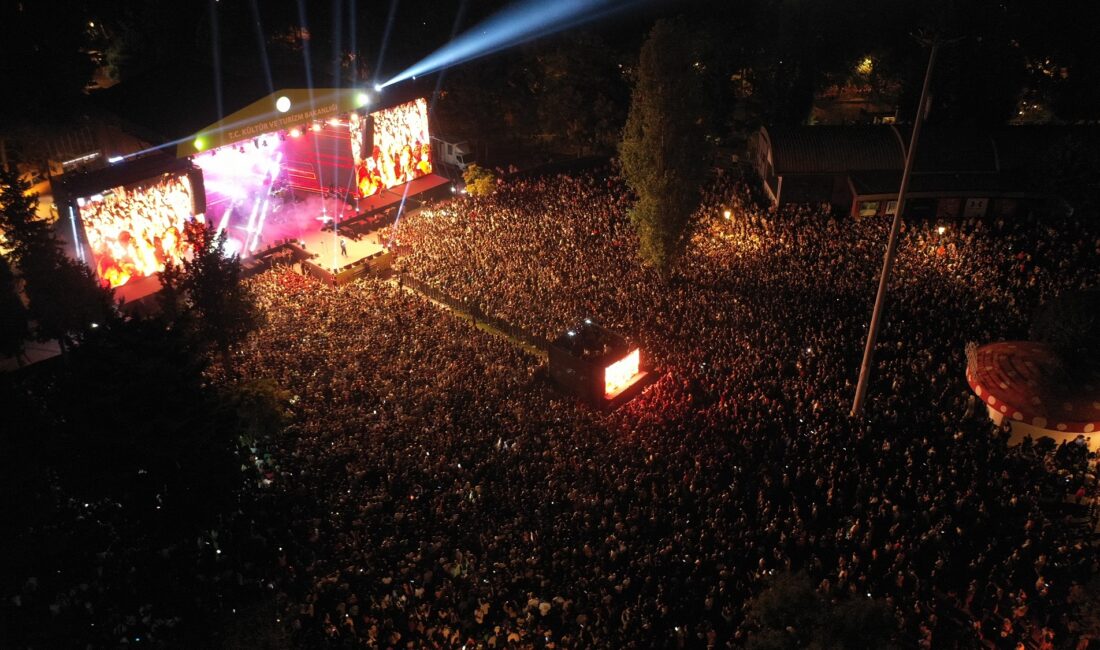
(433, 490)
(445, 497)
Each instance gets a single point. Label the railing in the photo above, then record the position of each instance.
(476, 312)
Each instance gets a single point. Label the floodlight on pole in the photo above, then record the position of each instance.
(892, 241)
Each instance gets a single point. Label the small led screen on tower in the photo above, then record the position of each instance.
(399, 148)
(132, 231)
(621, 374)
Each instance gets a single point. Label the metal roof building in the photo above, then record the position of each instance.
(957, 172)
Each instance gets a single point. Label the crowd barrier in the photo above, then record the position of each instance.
(476, 312)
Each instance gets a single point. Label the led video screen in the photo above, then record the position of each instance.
(400, 148)
(620, 374)
(132, 231)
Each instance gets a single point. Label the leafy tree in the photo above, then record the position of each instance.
(1067, 172)
(136, 422)
(791, 614)
(22, 230)
(479, 180)
(44, 66)
(579, 91)
(258, 408)
(217, 308)
(663, 148)
(66, 300)
(14, 328)
(860, 623)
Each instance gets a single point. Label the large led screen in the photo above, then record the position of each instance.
(132, 231)
(400, 151)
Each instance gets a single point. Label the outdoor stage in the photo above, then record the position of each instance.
(308, 221)
(302, 174)
(359, 228)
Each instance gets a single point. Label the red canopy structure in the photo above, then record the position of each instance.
(1020, 380)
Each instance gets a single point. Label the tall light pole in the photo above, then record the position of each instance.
(892, 242)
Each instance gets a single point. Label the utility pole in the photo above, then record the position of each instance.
(892, 242)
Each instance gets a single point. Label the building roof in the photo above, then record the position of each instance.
(951, 149)
(592, 342)
(78, 184)
(833, 149)
(874, 183)
(942, 149)
(1020, 379)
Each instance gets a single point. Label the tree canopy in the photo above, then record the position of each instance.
(205, 292)
(14, 328)
(479, 180)
(663, 149)
(66, 300)
(1070, 325)
(790, 614)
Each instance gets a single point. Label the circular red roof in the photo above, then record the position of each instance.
(1020, 379)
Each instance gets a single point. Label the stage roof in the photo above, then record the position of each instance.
(279, 110)
(82, 184)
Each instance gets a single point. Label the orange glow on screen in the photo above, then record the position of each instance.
(618, 375)
(134, 231)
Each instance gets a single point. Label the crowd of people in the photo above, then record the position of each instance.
(444, 495)
(433, 490)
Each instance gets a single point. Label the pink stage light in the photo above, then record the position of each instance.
(316, 128)
(621, 374)
(294, 133)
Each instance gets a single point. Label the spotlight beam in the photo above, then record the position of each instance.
(397, 220)
(386, 38)
(459, 16)
(216, 47)
(262, 42)
(523, 21)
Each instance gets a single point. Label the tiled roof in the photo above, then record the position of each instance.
(834, 149)
(955, 150)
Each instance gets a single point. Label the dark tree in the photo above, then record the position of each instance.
(1067, 172)
(23, 231)
(579, 90)
(219, 309)
(44, 66)
(1070, 326)
(860, 623)
(14, 328)
(135, 422)
(489, 101)
(66, 300)
(791, 614)
(788, 614)
(663, 149)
